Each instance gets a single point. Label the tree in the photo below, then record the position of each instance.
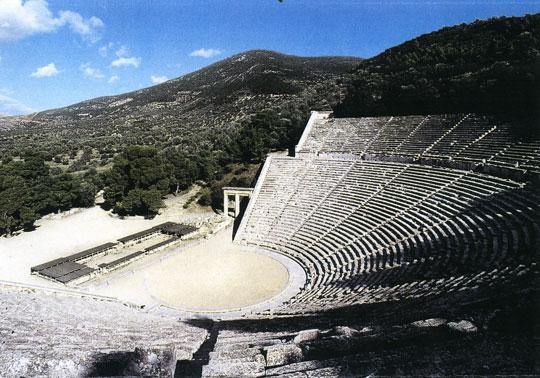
(185, 170)
(29, 189)
(141, 201)
(269, 130)
(138, 178)
(493, 69)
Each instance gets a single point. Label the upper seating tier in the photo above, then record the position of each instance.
(458, 140)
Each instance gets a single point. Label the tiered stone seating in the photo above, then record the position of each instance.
(318, 133)
(469, 138)
(519, 155)
(496, 139)
(344, 137)
(396, 132)
(55, 334)
(464, 132)
(378, 220)
(282, 175)
(386, 234)
(429, 132)
(347, 219)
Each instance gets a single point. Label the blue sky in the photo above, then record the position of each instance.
(60, 52)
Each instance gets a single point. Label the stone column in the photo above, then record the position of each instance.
(226, 203)
(236, 205)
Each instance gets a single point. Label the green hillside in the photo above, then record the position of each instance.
(488, 66)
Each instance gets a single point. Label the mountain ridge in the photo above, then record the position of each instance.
(193, 82)
(217, 97)
(334, 59)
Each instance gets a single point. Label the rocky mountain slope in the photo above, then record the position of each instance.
(214, 98)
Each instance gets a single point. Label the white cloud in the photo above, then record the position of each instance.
(122, 51)
(11, 106)
(113, 79)
(104, 50)
(87, 28)
(20, 19)
(46, 71)
(205, 53)
(158, 79)
(124, 61)
(91, 72)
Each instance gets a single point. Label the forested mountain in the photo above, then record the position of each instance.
(488, 66)
(179, 111)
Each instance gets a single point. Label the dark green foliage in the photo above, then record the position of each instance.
(137, 181)
(205, 198)
(269, 130)
(197, 123)
(266, 131)
(485, 67)
(213, 194)
(209, 158)
(141, 201)
(185, 171)
(29, 189)
(234, 112)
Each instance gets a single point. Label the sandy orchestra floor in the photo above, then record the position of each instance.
(215, 275)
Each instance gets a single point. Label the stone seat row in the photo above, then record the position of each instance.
(405, 282)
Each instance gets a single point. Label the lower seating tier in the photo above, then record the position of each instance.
(406, 226)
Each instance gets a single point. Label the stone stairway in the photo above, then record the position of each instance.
(446, 133)
(194, 366)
